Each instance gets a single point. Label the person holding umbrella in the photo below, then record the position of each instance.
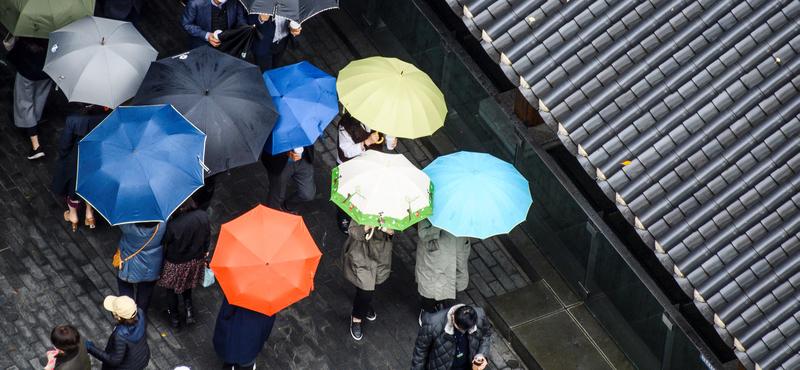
(239, 335)
(76, 126)
(31, 88)
(441, 267)
(204, 19)
(262, 45)
(367, 262)
(297, 165)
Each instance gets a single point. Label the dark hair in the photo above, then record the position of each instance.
(65, 338)
(188, 205)
(128, 322)
(465, 317)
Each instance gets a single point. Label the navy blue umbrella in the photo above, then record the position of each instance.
(140, 164)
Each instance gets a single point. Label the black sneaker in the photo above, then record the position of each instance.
(36, 154)
(355, 330)
(371, 315)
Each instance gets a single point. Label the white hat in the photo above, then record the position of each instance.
(122, 306)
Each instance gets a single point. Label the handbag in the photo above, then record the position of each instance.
(117, 260)
(208, 278)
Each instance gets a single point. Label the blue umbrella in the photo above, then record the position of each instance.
(140, 164)
(477, 195)
(306, 101)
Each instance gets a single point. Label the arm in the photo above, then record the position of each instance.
(349, 147)
(422, 347)
(189, 22)
(486, 339)
(113, 358)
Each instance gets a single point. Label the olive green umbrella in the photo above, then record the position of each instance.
(37, 18)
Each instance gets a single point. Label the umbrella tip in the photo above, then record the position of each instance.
(102, 40)
(206, 93)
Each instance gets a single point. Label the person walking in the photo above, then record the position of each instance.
(186, 242)
(126, 348)
(76, 126)
(296, 166)
(354, 139)
(31, 87)
(203, 20)
(239, 335)
(367, 262)
(69, 352)
(441, 267)
(456, 339)
(141, 255)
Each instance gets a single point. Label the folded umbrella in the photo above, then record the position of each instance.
(265, 260)
(237, 41)
(306, 100)
(98, 61)
(380, 189)
(296, 10)
(140, 164)
(37, 18)
(477, 195)
(223, 96)
(391, 96)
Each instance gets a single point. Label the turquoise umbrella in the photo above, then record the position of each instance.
(477, 195)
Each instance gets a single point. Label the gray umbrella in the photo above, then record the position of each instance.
(296, 10)
(98, 60)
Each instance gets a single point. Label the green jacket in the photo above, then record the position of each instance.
(442, 262)
(366, 263)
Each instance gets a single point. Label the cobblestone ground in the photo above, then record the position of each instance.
(49, 275)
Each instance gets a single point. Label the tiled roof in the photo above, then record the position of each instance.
(687, 112)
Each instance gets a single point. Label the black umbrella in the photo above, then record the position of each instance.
(296, 10)
(223, 96)
(237, 41)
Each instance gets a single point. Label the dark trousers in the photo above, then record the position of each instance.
(362, 303)
(140, 292)
(301, 173)
(278, 49)
(263, 61)
(431, 305)
(172, 304)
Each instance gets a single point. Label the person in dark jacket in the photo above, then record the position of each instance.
(295, 165)
(127, 347)
(262, 44)
(457, 339)
(186, 244)
(70, 351)
(239, 335)
(123, 10)
(31, 88)
(142, 255)
(76, 127)
(203, 18)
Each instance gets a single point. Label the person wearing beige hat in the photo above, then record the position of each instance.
(127, 347)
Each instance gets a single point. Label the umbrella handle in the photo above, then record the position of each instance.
(205, 168)
(381, 138)
(369, 235)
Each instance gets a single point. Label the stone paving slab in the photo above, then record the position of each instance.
(49, 275)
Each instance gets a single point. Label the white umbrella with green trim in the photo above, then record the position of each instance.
(379, 189)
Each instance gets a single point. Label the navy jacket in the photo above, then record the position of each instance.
(121, 9)
(240, 333)
(127, 347)
(196, 19)
(145, 266)
(262, 44)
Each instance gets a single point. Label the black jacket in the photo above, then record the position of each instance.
(126, 349)
(188, 236)
(435, 347)
(28, 56)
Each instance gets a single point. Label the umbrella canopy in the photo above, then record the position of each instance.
(380, 189)
(296, 10)
(306, 101)
(140, 164)
(391, 96)
(265, 260)
(223, 96)
(98, 61)
(477, 195)
(37, 18)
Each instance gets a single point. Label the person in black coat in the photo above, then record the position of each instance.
(123, 10)
(76, 126)
(456, 339)
(186, 248)
(239, 335)
(295, 165)
(127, 347)
(262, 44)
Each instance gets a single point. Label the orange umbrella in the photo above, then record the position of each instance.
(265, 260)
